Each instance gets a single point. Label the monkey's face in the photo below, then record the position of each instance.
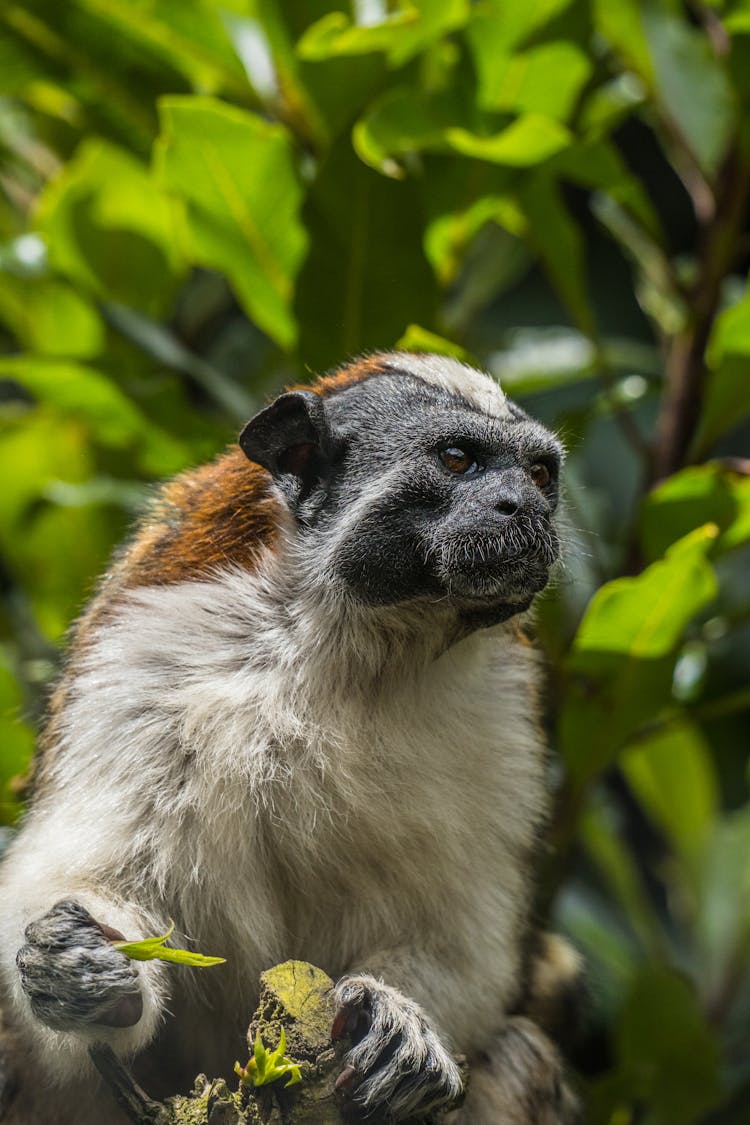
(417, 492)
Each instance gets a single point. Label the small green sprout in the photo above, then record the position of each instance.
(154, 949)
(268, 1066)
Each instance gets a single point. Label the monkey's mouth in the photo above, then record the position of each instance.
(507, 568)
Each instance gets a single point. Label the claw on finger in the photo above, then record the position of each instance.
(348, 1074)
(346, 1021)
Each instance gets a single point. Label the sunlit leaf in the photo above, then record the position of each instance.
(96, 401)
(109, 228)
(671, 773)
(684, 62)
(691, 498)
(402, 35)
(530, 140)
(645, 616)
(366, 274)
(545, 79)
(50, 317)
(155, 949)
(237, 175)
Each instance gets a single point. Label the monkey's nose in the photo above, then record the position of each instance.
(507, 507)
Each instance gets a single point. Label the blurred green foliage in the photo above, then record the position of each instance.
(203, 199)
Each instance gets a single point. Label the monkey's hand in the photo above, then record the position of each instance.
(397, 1067)
(73, 976)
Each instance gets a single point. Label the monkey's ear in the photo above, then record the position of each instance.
(291, 439)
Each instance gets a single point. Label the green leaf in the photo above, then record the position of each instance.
(87, 395)
(645, 617)
(50, 317)
(190, 37)
(621, 24)
(530, 140)
(404, 121)
(620, 668)
(671, 773)
(154, 949)
(598, 164)
(683, 63)
(366, 274)
(237, 176)
(109, 229)
(722, 917)
(404, 34)
(545, 79)
(692, 497)
(497, 28)
(727, 393)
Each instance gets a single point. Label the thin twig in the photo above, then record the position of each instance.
(134, 1101)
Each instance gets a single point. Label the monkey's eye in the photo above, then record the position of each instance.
(541, 475)
(459, 461)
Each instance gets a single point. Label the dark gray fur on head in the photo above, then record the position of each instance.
(405, 527)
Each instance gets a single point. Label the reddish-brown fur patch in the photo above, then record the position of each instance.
(219, 515)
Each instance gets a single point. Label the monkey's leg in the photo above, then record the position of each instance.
(519, 1080)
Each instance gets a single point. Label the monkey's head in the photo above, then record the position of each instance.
(413, 477)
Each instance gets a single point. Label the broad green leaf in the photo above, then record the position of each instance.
(545, 79)
(449, 236)
(409, 30)
(82, 393)
(50, 317)
(531, 139)
(671, 773)
(402, 122)
(620, 668)
(645, 617)
(189, 36)
(691, 85)
(693, 497)
(366, 272)
(621, 24)
(727, 393)
(237, 176)
(497, 28)
(109, 229)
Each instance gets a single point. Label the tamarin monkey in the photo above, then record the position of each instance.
(300, 719)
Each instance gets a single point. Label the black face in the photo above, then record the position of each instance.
(415, 493)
